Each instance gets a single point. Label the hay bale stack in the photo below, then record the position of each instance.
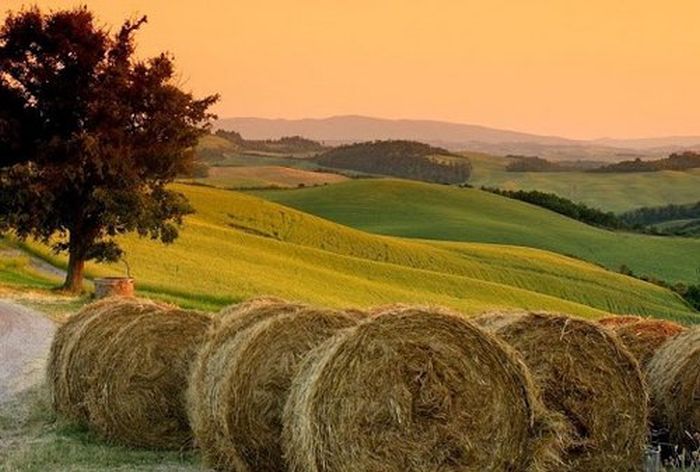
(254, 381)
(585, 373)
(673, 376)
(211, 361)
(644, 336)
(76, 346)
(416, 389)
(137, 396)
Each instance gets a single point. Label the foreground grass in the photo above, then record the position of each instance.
(33, 440)
(610, 191)
(419, 210)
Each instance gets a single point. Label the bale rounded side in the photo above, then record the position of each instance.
(137, 396)
(673, 376)
(416, 389)
(255, 383)
(211, 361)
(585, 373)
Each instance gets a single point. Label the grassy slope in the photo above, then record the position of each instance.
(613, 192)
(266, 176)
(417, 210)
(238, 246)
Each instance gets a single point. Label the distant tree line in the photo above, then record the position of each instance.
(533, 164)
(689, 292)
(680, 161)
(647, 218)
(538, 164)
(405, 159)
(563, 206)
(653, 215)
(287, 144)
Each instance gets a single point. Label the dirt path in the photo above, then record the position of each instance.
(25, 340)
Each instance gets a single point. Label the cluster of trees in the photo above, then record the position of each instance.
(563, 206)
(287, 144)
(538, 164)
(405, 159)
(653, 215)
(533, 164)
(681, 161)
(647, 218)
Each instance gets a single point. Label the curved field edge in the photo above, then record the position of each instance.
(237, 246)
(438, 212)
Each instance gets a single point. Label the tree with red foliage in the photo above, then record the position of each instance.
(90, 136)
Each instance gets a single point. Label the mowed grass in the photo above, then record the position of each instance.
(32, 439)
(267, 176)
(238, 246)
(438, 212)
(616, 192)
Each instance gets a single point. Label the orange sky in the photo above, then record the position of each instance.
(578, 68)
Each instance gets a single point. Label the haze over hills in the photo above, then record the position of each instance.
(456, 136)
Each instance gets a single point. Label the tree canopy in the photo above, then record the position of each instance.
(90, 136)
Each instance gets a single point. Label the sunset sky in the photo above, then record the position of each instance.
(577, 68)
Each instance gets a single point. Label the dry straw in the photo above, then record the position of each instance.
(254, 382)
(674, 380)
(137, 396)
(77, 345)
(585, 373)
(644, 336)
(416, 389)
(212, 361)
(619, 320)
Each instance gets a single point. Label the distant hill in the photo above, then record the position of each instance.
(406, 159)
(456, 136)
(679, 162)
(285, 144)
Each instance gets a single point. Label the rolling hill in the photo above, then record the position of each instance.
(616, 192)
(237, 246)
(426, 211)
(455, 137)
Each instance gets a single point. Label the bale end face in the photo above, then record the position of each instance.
(585, 373)
(415, 389)
(673, 375)
(138, 392)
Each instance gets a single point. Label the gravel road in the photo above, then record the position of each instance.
(25, 340)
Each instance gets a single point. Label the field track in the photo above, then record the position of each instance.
(25, 340)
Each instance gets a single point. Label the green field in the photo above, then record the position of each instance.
(616, 192)
(418, 210)
(238, 246)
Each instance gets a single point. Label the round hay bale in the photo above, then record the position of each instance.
(75, 348)
(137, 397)
(255, 382)
(619, 320)
(673, 376)
(645, 336)
(211, 361)
(585, 373)
(416, 389)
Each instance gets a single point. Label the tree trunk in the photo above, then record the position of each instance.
(76, 266)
